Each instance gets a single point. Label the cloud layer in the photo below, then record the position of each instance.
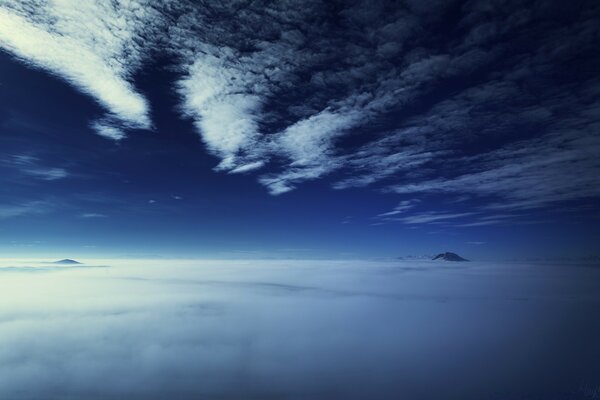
(484, 98)
(297, 330)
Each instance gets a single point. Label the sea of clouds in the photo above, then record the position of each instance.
(298, 330)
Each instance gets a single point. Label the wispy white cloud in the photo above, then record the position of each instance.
(482, 223)
(223, 112)
(49, 174)
(27, 208)
(94, 45)
(93, 215)
(307, 145)
(32, 166)
(432, 217)
(402, 207)
(108, 130)
(529, 174)
(248, 167)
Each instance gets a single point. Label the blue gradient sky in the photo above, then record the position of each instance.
(381, 129)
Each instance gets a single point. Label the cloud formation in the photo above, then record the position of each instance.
(330, 330)
(93, 215)
(31, 166)
(484, 98)
(404, 206)
(28, 208)
(95, 46)
(286, 92)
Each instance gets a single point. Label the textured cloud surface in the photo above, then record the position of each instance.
(93, 45)
(298, 330)
(485, 98)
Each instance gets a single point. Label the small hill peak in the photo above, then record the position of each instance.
(448, 256)
(67, 261)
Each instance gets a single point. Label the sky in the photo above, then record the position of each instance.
(299, 129)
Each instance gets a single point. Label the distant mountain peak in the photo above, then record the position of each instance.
(67, 261)
(448, 256)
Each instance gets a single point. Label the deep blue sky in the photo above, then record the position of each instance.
(300, 129)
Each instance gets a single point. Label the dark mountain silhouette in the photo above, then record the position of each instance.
(67, 261)
(447, 256)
